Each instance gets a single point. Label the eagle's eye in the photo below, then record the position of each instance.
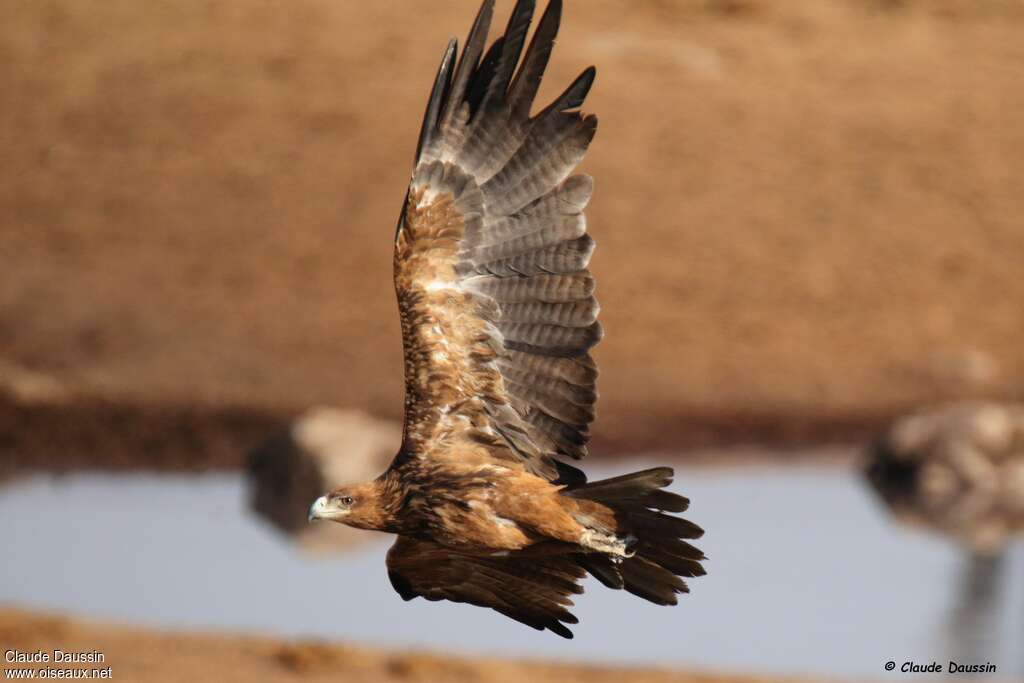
(347, 500)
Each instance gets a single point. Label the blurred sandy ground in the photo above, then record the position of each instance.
(135, 654)
(805, 211)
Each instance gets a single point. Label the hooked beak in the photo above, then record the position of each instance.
(328, 507)
(318, 510)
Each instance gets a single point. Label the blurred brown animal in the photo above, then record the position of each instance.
(957, 469)
(322, 449)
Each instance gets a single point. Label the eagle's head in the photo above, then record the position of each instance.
(356, 505)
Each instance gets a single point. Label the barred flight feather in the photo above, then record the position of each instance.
(492, 253)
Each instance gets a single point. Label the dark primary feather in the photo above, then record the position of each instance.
(442, 82)
(468, 62)
(512, 46)
(527, 80)
(483, 76)
(518, 239)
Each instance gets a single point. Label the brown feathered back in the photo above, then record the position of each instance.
(491, 254)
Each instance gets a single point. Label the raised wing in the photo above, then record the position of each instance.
(532, 590)
(497, 307)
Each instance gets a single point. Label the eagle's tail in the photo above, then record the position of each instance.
(658, 553)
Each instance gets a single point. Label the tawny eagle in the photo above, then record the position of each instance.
(498, 318)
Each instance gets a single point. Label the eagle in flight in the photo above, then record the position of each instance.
(498, 318)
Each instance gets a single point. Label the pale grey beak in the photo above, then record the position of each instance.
(317, 509)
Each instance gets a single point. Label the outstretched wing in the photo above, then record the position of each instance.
(497, 307)
(532, 590)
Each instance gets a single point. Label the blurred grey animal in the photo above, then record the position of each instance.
(957, 469)
(323, 448)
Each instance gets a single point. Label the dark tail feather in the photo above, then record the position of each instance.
(653, 524)
(602, 568)
(624, 486)
(651, 581)
(680, 566)
(660, 555)
(639, 490)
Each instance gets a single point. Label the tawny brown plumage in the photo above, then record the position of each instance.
(498, 318)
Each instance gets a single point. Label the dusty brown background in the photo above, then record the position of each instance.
(804, 210)
(138, 654)
(808, 216)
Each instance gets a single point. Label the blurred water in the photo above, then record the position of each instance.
(806, 576)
